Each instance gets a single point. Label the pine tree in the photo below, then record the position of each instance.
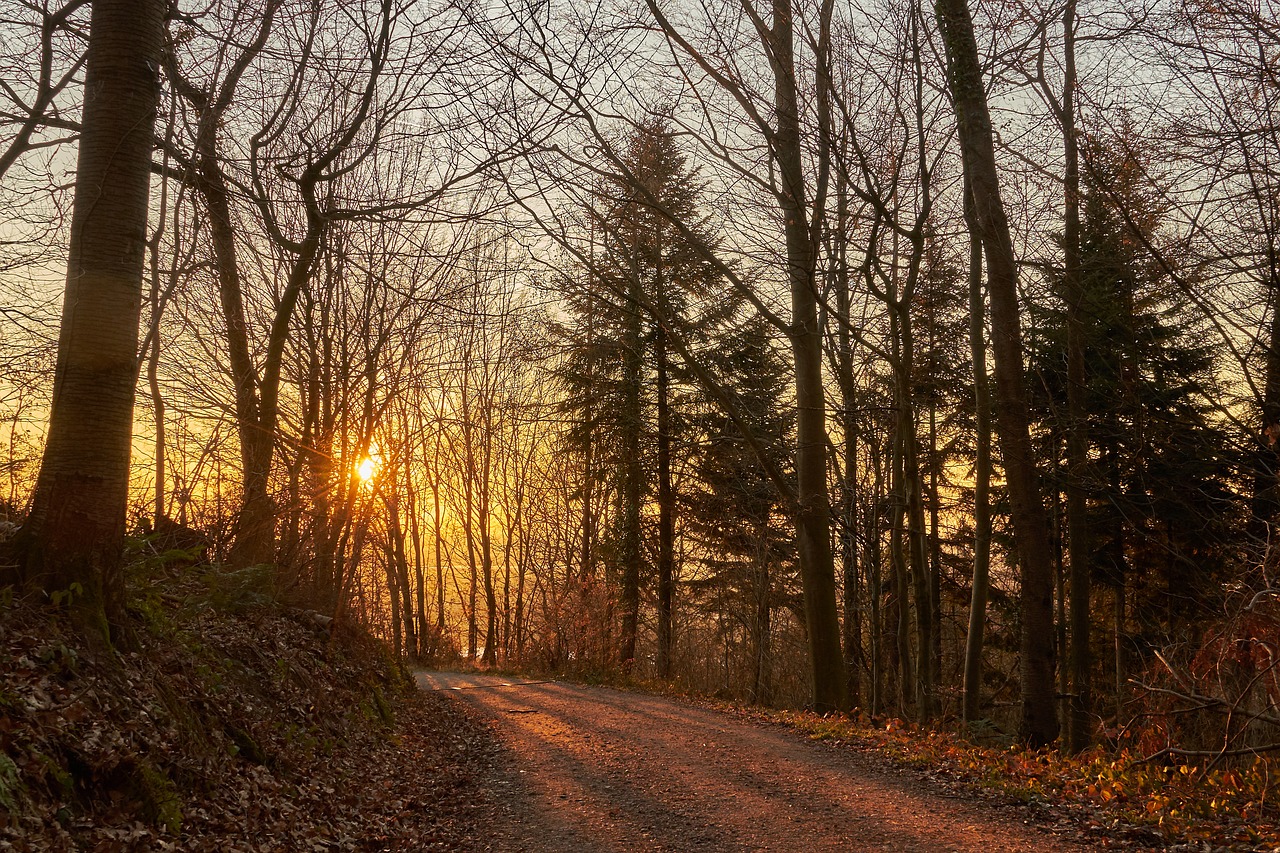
(1158, 487)
(1161, 499)
(621, 372)
(735, 512)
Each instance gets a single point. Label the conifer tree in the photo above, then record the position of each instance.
(635, 296)
(1162, 500)
(1158, 488)
(736, 512)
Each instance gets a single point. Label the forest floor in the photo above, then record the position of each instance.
(583, 768)
(229, 722)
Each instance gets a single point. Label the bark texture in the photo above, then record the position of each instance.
(813, 515)
(1039, 723)
(1079, 533)
(75, 531)
(981, 588)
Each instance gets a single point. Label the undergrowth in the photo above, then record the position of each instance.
(1182, 803)
(229, 716)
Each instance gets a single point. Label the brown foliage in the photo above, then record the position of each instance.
(257, 729)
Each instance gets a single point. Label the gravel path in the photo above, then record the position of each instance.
(593, 769)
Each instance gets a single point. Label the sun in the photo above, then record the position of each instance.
(367, 470)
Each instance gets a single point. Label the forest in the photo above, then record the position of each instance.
(921, 359)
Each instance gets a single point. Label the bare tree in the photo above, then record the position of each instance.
(1039, 723)
(294, 171)
(31, 90)
(74, 536)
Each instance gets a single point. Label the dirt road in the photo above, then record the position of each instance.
(592, 769)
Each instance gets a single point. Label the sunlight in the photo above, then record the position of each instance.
(368, 469)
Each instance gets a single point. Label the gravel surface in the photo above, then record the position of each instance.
(594, 769)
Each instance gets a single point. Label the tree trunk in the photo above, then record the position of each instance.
(255, 526)
(522, 557)
(666, 508)
(426, 647)
(632, 487)
(491, 639)
(399, 561)
(899, 609)
(762, 671)
(935, 553)
(801, 226)
(437, 536)
(981, 587)
(1056, 521)
(872, 559)
(508, 548)
(1079, 534)
(157, 414)
(252, 544)
(1039, 719)
(1265, 501)
(74, 536)
(813, 515)
(852, 624)
(157, 301)
(851, 627)
(924, 684)
(1120, 638)
(393, 591)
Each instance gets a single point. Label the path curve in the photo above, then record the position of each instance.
(595, 769)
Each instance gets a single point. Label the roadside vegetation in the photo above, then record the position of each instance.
(224, 720)
(1112, 792)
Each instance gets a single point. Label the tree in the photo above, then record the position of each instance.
(980, 586)
(1163, 507)
(1223, 175)
(1039, 722)
(801, 205)
(1079, 529)
(32, 89)
(74, 536)
(278, 176)
(635, 297)
(736, 508)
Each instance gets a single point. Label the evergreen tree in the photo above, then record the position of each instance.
(620, 373)
(735, 512)
(1158, 485)
(942, 387)
(1162, 500)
